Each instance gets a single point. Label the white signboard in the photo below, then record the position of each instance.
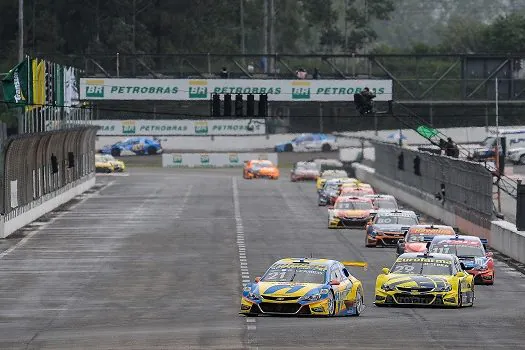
(186, 127)
(14, 193)
(212, 160)
(186, 89)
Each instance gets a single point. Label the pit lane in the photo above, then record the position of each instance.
(152, 261)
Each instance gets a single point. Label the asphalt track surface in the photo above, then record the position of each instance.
(152, 261)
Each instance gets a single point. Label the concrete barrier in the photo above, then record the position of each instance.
(213, 160)
(419, 200)
(44, 205)
(506, 239)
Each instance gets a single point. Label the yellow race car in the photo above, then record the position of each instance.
(102, 165)
(425, 279)
(118, 165)
(305, 286)
(330, 174)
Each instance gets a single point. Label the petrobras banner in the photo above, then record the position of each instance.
(186, 89)
(182, 127)
(213, 160)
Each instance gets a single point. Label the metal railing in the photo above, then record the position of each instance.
(28, 166)
(463, 184)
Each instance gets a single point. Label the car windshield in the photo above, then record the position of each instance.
(299, 274)
(488, 142)
(262, 165)
(422, 266)
(331, 186)
(458, 250)
(385, 204)
(395, 220)
(307, 166)
(354, 205)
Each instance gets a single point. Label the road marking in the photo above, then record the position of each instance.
(37, 229)
(243, 261)
(180, 209)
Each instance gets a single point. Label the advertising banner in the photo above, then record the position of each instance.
(212, 160)
(182, 127)
(186, 89)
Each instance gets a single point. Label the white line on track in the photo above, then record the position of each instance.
(180, 209)
(24, 240)
(243, 261)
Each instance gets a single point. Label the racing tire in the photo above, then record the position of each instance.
(326, 148)
(288, 147)
(115, 152)
(151, 150)
(331, 304)
(358, 303)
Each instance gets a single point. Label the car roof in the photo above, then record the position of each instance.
(392, 212)
(426, 256)
(353, 199)
(313, 261)
(431, 227)
(380, 196)
(449, 238)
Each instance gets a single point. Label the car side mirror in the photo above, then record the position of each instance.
(385, 271)
(334, 283)
(489, 254)
(257, 279)
(460, 274)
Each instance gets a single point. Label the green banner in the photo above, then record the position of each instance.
(426, 132)
(17, 85)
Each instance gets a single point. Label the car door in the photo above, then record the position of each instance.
(312, 143)
(340, 291)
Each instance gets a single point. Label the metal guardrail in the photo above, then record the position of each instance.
(468, 185)
(27, 165)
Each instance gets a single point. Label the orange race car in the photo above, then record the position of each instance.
(418, 235)
(349, 212)
(254, 169)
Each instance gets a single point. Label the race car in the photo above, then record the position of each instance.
(304, 171)
(349, 212)
(330, 174)
(388, 227)
(102, 165)
(471, 253)
(417, 236)
(254, 169)
(118, 165)
(305, 286)
(134, 145)
(309, 143)
(330, 190)
(383, 201)
(431, 279)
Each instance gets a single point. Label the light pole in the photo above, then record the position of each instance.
(20, 30)
(498, 145)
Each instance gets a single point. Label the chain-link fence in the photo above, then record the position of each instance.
(465, 185)
(40, 166)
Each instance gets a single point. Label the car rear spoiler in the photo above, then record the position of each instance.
(362, 264)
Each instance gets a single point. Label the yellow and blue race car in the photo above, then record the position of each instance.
(302, 286)
(425, 279)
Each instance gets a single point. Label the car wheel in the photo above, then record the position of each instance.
(522, 159)
(152, 150)
(460, 297)
(326, 148)
(288, 147)
(331, 304)
(115, 152)
(358, 304)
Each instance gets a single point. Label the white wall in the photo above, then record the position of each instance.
(10, 226)
(507, 239)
